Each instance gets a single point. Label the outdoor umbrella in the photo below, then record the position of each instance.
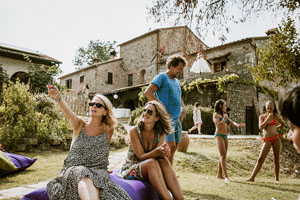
(200, 65)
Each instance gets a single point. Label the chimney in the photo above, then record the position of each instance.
(113, 54)
(272, 31)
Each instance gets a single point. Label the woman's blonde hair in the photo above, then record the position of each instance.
(163, 124)
(110, 118)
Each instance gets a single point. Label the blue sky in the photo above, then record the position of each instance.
(58, 28)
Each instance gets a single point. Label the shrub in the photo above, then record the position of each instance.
(207, 127)
(119, 138)
(25, 115)
(134, 116)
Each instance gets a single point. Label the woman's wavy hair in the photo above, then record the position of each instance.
(289, 106)
(271, 102)
(219, 103)
(163, 124)
(110, 118)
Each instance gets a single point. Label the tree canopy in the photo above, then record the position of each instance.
(96, 49)
(216, 15)
(280, 61)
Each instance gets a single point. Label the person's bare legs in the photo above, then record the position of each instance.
(199, 129)
(151, 170)
(220, 172)
(173, 146)
(222, 147)
(191, 129)
(276, 152)
(170, 178)
(87, 189)
(261, 158)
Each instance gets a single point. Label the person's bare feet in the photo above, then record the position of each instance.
(220, 177)
(226, 180)
(277, 182)
(250, 179)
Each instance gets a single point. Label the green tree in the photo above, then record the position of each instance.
(280, 61)
(40, 75)
(95, 49)
(3, 79)
(216, 15)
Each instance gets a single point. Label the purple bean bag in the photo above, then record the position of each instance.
(21, 162)
(137, 190)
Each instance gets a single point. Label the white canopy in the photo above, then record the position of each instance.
(200, 65)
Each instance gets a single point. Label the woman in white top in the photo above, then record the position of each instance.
(197, 118)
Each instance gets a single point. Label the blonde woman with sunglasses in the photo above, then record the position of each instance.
(147, 157)
(84, 175)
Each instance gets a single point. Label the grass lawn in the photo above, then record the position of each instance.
(47, 166)
(197, 170)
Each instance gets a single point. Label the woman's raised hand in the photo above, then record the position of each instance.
(269, 117)
(53, 92)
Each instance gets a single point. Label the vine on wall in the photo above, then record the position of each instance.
(221, 85)
(200, 84)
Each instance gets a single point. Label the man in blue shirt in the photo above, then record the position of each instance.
(165, 88)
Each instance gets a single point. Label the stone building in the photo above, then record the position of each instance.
(140, 60)
(145, 56)
(13, 62)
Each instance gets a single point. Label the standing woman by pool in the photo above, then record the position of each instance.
(221, 120)
(269, 122)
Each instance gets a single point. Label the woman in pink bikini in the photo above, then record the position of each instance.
(269, 122)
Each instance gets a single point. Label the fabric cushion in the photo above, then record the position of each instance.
(21, 162)
(137, 190)
(39, 194)
(6, 163)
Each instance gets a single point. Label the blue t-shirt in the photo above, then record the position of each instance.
(169, 93)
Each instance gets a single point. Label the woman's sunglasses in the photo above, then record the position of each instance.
(98, 105)
(149, 112)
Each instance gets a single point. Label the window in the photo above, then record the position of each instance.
(81, 79)
(220, 66)
(110, 78)
(130, 79)
(142, 76)
(69, 83)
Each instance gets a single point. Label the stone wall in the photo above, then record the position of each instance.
(138, 55)
(239, 98)
(100, 81)
(96, 77)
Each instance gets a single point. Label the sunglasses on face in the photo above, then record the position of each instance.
(98, 105)
(149, 112)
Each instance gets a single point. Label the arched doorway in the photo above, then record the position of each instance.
(22, 76)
